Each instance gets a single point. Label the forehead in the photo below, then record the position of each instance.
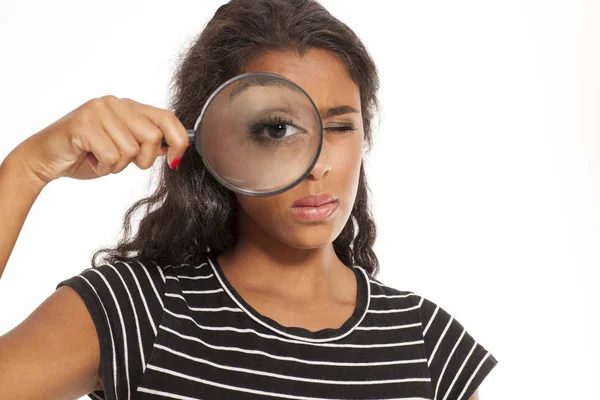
(319, 72)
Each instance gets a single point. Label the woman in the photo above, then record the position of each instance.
(219, 295)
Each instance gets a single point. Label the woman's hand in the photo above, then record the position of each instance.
(100, 137)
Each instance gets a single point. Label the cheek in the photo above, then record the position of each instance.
(264, 211)
(346, 161)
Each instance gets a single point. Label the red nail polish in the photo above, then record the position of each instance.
(175, 163)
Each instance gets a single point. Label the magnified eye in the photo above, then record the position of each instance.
(274, 130)
(280, 130)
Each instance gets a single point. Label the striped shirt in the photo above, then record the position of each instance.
(183, 332)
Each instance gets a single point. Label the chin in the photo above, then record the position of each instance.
(310, 236)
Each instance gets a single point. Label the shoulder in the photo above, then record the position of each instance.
(383, 291)
(124, 275)
(457, 362)
(426, 306)
(121, 289)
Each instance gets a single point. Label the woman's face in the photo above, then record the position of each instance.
(325, 78)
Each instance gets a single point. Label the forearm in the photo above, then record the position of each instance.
(18, 192)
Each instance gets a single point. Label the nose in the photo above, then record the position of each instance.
(323, 165)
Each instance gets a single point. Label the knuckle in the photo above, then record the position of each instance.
(131, 151)
(110, 100)
(168, 117)
(127, 101)
(84, 118)
(112, 157)
(95, 104)
(108, 97)
(153, 135)
(90, 110)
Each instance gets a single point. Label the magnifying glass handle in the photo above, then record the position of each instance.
(190, 133)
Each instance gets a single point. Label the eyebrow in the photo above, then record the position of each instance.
(261, 80)
(337, 111)
(265, 80)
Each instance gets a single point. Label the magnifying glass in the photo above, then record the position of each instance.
(259, 134)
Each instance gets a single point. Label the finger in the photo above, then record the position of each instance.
(173, 130)
(104, 151)
(119, 132)
(147, 134)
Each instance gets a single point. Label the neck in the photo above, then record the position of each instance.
(264, 263)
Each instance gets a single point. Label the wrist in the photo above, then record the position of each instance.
(15, 164)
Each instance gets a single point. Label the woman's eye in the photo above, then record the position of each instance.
(275, 131)
(278, 131)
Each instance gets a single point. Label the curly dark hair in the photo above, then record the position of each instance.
(190, 214)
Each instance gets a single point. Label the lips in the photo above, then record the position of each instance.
(314, 200)
(314, 209)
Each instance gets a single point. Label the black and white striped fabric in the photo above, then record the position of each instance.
(183, 332)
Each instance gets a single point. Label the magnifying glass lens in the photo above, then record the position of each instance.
(260, 134)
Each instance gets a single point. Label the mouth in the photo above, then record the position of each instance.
(315, 200)
(315, 208)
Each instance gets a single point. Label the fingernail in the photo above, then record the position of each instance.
(175, 163)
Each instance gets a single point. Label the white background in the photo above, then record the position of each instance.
(485, 171)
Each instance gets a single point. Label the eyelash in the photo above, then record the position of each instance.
(340, 128)
(270, 121)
